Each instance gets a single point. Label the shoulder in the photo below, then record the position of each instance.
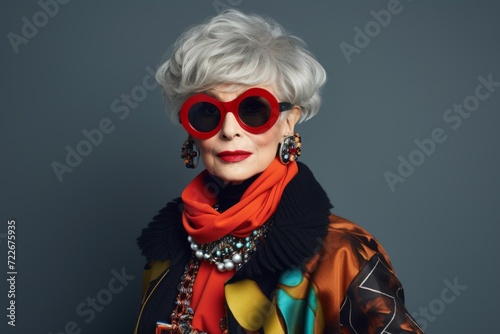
(343, 232)
(345, 250)
(164, 235)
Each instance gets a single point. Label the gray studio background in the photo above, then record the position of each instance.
(76, 234)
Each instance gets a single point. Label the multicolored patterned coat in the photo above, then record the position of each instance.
(316, 273)
(348, 287)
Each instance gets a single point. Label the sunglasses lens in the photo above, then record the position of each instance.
(254, 111)
(204, 116)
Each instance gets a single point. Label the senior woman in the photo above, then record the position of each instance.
(251, 245)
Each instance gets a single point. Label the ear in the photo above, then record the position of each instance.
(292, 118)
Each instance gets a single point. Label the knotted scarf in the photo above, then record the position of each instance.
(204, 224)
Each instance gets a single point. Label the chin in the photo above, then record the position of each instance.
(234, 175)
(233, 178)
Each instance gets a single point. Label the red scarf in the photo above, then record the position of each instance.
(205, 224)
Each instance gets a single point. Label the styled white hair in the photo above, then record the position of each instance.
(235, 48)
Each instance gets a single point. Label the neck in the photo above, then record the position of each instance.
(228, 194)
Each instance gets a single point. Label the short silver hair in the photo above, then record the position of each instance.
(235, 48)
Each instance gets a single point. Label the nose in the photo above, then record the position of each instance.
(230, 127)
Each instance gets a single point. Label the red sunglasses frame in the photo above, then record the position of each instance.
(232, 107)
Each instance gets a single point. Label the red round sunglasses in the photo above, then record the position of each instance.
(256, 111)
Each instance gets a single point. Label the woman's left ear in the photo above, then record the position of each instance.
(292, 118)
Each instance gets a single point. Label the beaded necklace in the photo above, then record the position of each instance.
(230, 252)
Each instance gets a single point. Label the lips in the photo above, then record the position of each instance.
(233, 156)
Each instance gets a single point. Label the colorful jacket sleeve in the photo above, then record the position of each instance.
(348, 287)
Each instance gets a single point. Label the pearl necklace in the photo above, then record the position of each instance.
(230, 252)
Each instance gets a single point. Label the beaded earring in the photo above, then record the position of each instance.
(289, 148)
(190, 154)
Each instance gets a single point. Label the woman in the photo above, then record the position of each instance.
(251, 245)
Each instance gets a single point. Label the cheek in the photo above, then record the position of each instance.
(206, 147)
(267, 145)
(269, 140)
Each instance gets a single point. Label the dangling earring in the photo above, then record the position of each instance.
(190, 154)
(289, 148)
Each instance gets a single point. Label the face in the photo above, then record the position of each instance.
(233, 154)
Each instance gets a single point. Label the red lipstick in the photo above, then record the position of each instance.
(233, 156)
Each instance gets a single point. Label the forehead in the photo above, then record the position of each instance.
(228, 92)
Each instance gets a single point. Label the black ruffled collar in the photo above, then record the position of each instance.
(299, 224)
